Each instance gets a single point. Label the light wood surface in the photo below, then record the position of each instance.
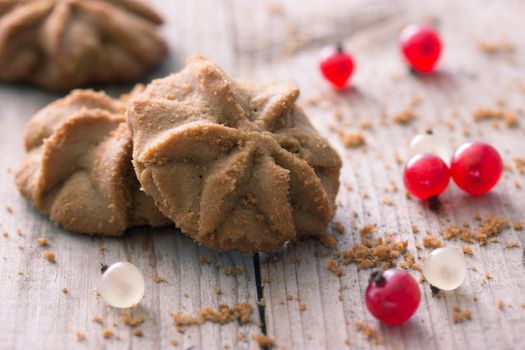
(265, 40)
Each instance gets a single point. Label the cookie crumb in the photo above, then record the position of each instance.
(107, 333)
(138, 332)
(158, 279)
(467, 250)
(97, 319)
(491, 48)
(367, 229)
(234, 270)
(486, 277)
(174, 342)
(415, 100)
(339, 228)
(510, 118)
(275, 9)
(80, 336)
(129, 320)
(334, 267)
(510, 245)
(65, 290)
(370, 334)
(459, 315)
(327, 240)
(519, 163)
(204, 259)
(263, 340)
(404, 117)
(242, 312)
(50, 256)
(354, 140)
(500, 304)
(42, 241)
(432, 242)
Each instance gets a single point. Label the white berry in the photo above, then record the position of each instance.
(430, 143)
(445, 268)
(122, 285)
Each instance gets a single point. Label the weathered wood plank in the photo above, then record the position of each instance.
(468, 79)
(307, 306)
(37, 314)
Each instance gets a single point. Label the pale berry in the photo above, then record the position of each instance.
(430, 143)
(426, 176)
(476, 167)
(336, 66)
(392, 296)
(421, 47)
(445, 268)
(122, 285)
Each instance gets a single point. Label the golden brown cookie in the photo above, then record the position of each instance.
(78, 168)
(63, 44)
(236, 165)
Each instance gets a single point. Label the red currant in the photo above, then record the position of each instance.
(476, 167)
(426, 175)
(421, 47)
(392, 296)
(336, 66)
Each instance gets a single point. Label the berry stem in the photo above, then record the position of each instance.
(378, 278)
(339, 47)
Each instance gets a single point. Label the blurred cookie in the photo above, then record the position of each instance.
(63, 44)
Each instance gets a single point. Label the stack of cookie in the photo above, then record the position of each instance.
(233, 164)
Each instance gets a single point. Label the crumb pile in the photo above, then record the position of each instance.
(240, 312)
(381, 252)
(488, 228)
(369, 333)
(508, 117)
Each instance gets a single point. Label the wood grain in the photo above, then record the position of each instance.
(306, 305)
(36, 314)
(468, 78)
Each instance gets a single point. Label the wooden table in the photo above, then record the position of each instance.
(306, 306)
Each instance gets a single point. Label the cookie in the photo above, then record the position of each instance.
(77, 169)
(235, 164)
(63, 44)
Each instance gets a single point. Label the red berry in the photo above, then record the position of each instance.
(426, 175)
(392, 296)
(476, 167)
(421, 46)
(336, 66)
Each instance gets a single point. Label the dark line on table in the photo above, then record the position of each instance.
(260, 290)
